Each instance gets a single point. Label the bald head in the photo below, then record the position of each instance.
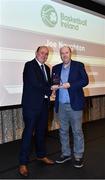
(41, 47)
(64, 48)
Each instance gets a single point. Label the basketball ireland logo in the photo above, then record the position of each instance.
(49, 15)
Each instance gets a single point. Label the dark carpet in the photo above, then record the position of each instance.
(94, 158)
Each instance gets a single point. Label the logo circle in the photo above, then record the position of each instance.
(49, 15)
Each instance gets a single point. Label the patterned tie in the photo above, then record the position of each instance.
(42, 67)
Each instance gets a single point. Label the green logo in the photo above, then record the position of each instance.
(49, 15)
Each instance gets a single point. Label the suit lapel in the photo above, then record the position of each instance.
(71, 71)
(48, 73)
(39, 73)
(59, 70)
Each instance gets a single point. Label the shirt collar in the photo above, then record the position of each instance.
(66, 66)
(38, 62)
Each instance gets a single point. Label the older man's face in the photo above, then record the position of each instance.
(65, 54)
(42, 54)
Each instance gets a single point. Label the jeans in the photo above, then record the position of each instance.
(69, 117)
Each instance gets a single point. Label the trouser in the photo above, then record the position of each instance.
(36, 122)
(68, 117)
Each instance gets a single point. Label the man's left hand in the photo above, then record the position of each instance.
(66, 85)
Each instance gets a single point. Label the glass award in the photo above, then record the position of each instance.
(56, 79)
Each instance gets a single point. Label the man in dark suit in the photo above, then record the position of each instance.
(69, 103)
(35, 102)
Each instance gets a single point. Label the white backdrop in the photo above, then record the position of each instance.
(27, 24)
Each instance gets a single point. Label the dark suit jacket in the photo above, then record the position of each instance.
(34, 87)
(78, 79)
